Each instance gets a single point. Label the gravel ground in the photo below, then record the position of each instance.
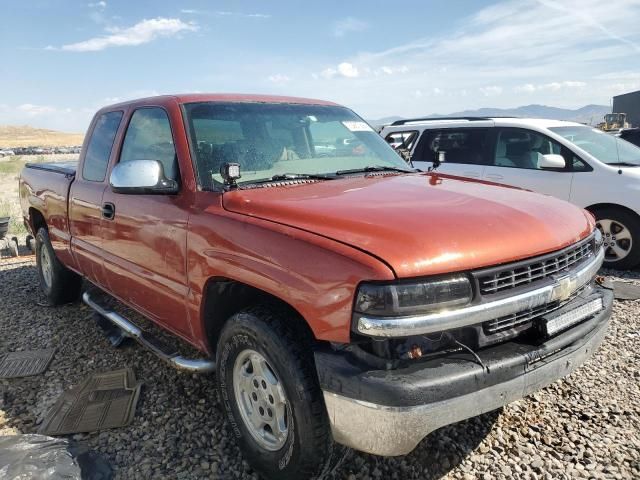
(585, 426)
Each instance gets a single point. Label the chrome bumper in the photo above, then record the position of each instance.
(562, 289)
(389, 431)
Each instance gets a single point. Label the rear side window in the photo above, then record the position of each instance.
(402, 140)
(149, 137)
(96, 159)
(465, 145)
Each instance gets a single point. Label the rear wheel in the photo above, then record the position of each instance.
(621, 235)
(269, 389)
(59, 284)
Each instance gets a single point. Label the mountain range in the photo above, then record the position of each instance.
(589, 114)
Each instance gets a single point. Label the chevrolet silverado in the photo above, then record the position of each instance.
(342, 298)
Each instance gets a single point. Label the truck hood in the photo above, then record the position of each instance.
(422, 224)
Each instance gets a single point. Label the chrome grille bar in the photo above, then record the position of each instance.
(536, 269)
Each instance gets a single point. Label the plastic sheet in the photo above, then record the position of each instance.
(38, 457)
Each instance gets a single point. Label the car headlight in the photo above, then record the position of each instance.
(400, 299)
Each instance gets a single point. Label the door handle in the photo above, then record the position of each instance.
(108, 210)
(494, 176)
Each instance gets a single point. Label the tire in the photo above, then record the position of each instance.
(624, 254)
(59, 284)
(308, 451)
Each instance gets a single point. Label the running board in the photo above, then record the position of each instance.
(150, 342)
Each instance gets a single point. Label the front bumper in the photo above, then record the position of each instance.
(388, 412)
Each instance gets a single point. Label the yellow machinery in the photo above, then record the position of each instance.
(614, 121)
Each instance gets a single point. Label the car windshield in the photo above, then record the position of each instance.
(283, 140)
(603, 146)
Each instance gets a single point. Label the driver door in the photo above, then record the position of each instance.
(144, 239)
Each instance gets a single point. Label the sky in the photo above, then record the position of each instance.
(61, 60)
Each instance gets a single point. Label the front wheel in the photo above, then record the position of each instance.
(59, 284)
(269, 389)
(621, 236)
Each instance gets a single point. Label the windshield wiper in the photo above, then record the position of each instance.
(624, 164)
(376, 168)
(281, 177)
(296, 176)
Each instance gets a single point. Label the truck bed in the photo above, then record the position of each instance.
(65, 168)
(44, 187)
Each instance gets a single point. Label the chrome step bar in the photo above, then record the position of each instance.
(148, 341)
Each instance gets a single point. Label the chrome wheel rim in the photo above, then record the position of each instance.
(617, 240)
(45, 266)
(261, 400)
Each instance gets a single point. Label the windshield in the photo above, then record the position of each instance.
(603, 146)
(272, 139)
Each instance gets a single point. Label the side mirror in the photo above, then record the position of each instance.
(141, 177)
(551, 161)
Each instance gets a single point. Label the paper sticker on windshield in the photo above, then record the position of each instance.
(357, 126)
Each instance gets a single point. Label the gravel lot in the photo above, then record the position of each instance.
(586, 426)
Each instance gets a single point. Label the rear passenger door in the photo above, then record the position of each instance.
(466, 151)
(516, 160)
(144, 238)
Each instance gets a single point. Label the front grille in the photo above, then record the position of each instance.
(522, 273)
(517, 319)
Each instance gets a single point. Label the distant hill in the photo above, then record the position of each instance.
(12, 136)
(590, 114)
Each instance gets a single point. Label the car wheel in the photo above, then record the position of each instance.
(270, 393)
(621, 235)
(59, 284)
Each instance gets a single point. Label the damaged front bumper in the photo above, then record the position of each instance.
(388, 412)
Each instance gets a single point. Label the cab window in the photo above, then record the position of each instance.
(149, 137)
(96, 159)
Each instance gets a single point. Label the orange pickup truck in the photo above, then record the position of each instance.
(343, 298)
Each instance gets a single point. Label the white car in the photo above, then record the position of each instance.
(581, 164)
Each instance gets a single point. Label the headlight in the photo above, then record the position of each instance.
(413, 298)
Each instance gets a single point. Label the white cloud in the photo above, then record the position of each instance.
(35, 110)
(223, 13)
(491, 91)
(386, 70)
(552, 86)
(348, 70)
(345, 69)
(279, 79)
(142, 32)
(101, 4)
(348, 25)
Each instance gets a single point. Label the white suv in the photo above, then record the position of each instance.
(583, 165)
